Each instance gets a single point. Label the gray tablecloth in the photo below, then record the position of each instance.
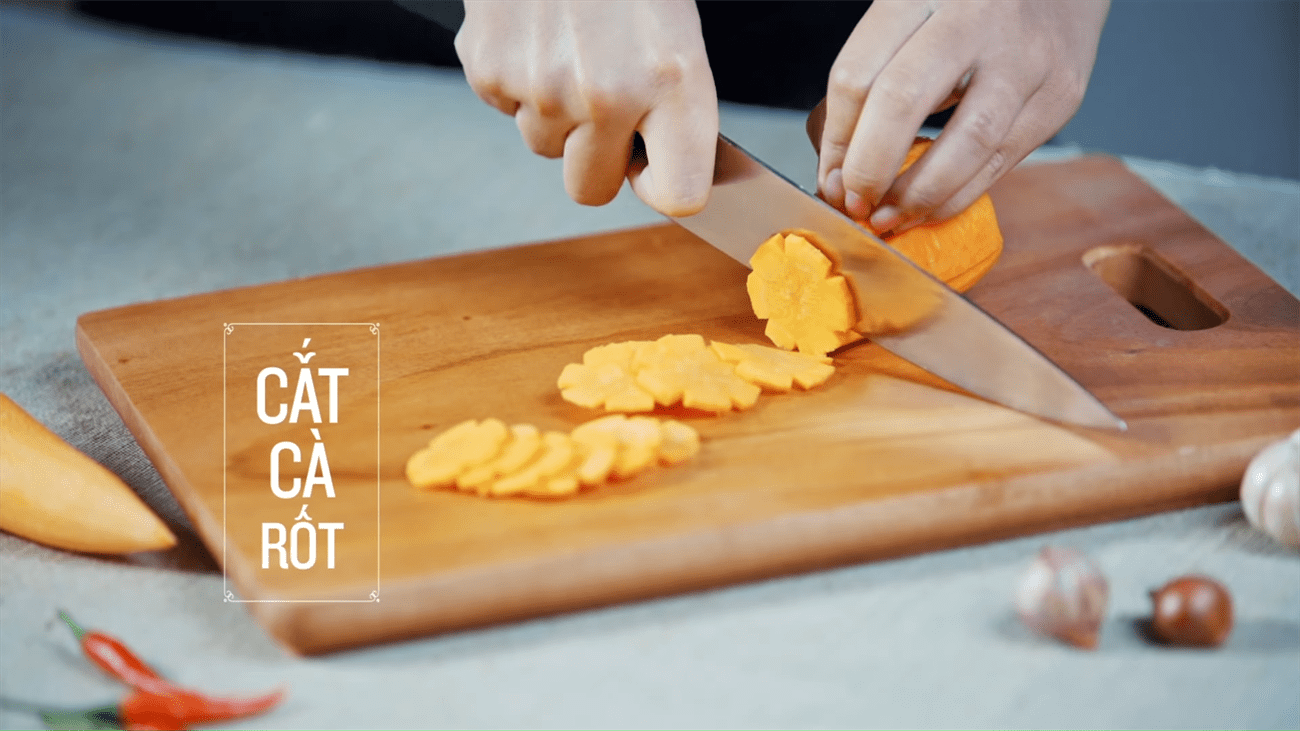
(134, 167)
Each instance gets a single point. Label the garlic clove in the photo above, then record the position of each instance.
(1063, 594)
(1270, 490)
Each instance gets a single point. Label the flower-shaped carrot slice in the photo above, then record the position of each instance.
(523, 461)
(523, 445)
(638, 439)
(678, 442)
(556, 455)
(775, 369)
(605, 378)
(452, 452)
(807, 305)
(681, 368)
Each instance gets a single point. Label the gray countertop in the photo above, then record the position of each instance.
(136, 167)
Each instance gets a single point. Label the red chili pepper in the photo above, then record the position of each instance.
(145, 711)
(117, 659)
(181, 708)
(158, 703)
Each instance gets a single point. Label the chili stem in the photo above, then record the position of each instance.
(103, 717)
(76, 628)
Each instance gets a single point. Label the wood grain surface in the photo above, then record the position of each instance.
(882, 460)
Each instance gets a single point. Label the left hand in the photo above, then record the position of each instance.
(1016, 69)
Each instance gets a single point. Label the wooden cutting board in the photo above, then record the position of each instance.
(881, 460)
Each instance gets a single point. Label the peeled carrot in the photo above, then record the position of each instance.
(53, 494)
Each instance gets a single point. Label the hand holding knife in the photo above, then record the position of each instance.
(748, 201)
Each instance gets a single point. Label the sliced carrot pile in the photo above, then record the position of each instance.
(467, 444)
(635, 441)
(489, 459)
(683, 369)
(636, 375)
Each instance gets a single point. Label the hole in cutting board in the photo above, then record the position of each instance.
(1156, 288)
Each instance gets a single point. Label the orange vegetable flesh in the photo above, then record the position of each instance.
(491, 460)
(54, 494)
(636, 376)
(775, 369)
(682, 369)
(959, 251)
(810, 307)
(606, 378)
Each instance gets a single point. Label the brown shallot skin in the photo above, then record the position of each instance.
(1192, 611)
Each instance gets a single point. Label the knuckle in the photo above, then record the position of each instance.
(922, 197)
(950, 209)
(548, 106)
(539, 140)
(535, 144)
(464, 48)
(861, 180)
(547, 100)
(665, 73)
(545, 91)
(997, 164)
(897, 93)
(485, 85)
(984, 130)
(1073, 88)
(604, 102)
(843, 84)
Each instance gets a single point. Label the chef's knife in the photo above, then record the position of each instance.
(923, 320)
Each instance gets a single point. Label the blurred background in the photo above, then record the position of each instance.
(1207, 83)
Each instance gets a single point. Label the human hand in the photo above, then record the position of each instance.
(1016, 69)
(580, 78)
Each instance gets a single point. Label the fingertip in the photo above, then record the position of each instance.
(675, 203)
(832, 189)
(589, 197)
(886, 218)
(856, 207)
(686, 198)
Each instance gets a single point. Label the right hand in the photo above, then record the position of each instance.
(580, 78)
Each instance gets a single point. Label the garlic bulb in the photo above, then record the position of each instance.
(1270, 490)
(1063, 594)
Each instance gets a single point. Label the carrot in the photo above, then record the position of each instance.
(552, 464)
(958, 251)
(53, 494)
(810, 307)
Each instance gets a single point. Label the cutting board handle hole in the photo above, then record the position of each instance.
(1154, 287)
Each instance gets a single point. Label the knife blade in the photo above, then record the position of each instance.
(915, 316)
